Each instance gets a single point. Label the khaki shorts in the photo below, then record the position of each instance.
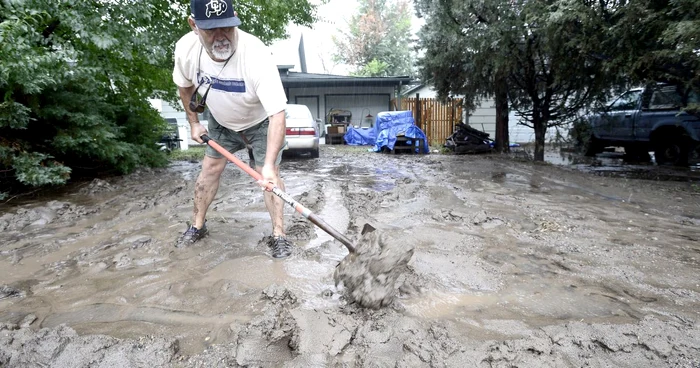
(254, 139)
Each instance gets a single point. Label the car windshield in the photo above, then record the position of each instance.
(297, 112)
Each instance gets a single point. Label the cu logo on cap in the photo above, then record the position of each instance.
(216, 7)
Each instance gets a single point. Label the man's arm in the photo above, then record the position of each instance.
(196, 128)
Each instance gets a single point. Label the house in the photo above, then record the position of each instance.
(360, 98)
(175, 117)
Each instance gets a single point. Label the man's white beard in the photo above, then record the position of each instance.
(222, 54)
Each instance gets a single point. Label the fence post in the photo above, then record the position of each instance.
(418, 112)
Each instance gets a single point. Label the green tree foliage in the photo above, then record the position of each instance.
(558, 72)
(378, 40)
(559, 56)
(75, 78)
(654, 41)
(534, 47)
(466, 53)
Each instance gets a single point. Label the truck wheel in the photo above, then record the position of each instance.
(672, 152)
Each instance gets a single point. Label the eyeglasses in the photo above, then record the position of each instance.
(199, 106)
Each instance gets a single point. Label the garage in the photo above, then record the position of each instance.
(359, 105)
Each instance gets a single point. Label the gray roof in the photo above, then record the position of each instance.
(296, 79)
(412, 89)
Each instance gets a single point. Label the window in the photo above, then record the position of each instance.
(665, 98)
(628, 101)
(298, 112)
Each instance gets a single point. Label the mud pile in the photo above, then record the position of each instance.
(62, 347)
(370, 274)
(287, 335)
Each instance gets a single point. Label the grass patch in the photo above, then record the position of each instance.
(194, 153)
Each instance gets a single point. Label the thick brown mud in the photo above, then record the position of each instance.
(514, 264)
(370, 274)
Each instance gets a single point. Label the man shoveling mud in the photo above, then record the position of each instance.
(241, 87)
(370, 271)
(247, 107)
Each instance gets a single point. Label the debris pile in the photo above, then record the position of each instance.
(466, 139)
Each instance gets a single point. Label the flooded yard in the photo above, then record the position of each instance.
(567, 264)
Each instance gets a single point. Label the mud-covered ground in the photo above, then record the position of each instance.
(516, 265)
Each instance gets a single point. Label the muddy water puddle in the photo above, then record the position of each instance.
(617, 164)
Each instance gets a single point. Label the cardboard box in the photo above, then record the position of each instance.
(336, 129)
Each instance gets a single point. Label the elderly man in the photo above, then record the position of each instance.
(238, 82)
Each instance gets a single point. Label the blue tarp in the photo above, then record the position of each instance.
(359, 136)
(390, 124)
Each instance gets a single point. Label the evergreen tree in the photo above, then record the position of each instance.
(558, 56)
(653, 41)
(541, 52)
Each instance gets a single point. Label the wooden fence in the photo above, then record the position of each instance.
(437, 120)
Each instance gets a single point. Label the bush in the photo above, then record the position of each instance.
(580, 133)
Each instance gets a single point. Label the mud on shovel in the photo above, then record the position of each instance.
(370, 271)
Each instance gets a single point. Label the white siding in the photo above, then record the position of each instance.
(167, 111)
(519, 133)
(484, 118)
(424, 92)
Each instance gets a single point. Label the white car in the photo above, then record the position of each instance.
(302, 130)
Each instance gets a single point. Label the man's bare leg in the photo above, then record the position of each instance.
(206, 187)
(275, 205)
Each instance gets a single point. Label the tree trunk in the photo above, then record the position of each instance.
(502, 138)
(540, 130)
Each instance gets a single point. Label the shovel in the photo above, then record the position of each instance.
(286, 197)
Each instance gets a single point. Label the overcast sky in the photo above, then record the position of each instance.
(318, 41)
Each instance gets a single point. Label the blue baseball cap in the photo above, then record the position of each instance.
(210, 14)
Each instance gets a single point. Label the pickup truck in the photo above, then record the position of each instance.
(648, 119)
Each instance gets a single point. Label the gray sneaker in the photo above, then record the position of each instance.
(193, 234)
(281, 247)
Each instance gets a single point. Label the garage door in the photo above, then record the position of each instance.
(359, 105)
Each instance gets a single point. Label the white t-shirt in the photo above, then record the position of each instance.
(246, 91)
